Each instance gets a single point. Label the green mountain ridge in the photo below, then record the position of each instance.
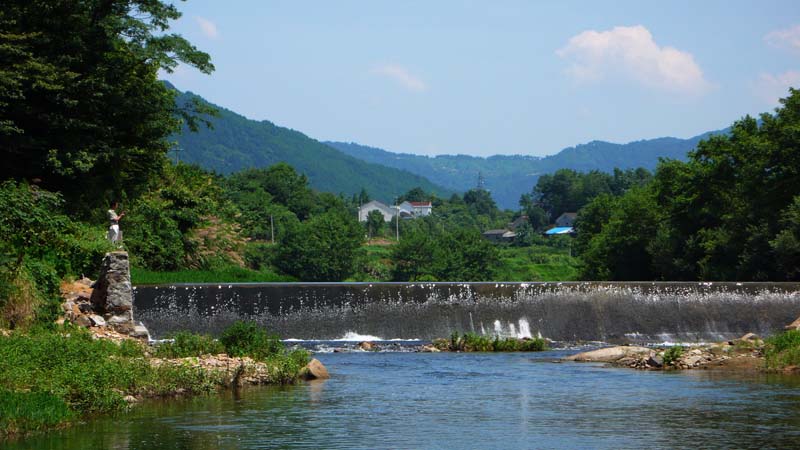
(507, 177)
(235, 142)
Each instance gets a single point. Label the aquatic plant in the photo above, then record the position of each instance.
(471, 342)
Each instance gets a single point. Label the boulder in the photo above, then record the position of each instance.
(97, 320)
(655, 361)
(113, 293)
(693, 360)
(314, 370)
(794, 325)
(367, 346)
(429, 349)
(610, 354)
(83, 321)
(750, 337)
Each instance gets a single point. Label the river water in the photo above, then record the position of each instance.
(404, 400)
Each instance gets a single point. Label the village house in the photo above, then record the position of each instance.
(566, 219)
(374, 205)
(407, 210)
(500, 235)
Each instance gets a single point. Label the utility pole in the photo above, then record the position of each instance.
(272, 228)
(397, 220)
(177, 151)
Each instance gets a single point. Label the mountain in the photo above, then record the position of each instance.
(235, 143)
(510, 176)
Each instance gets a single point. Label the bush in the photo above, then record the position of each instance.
(24, 412)
(248, 339)
(185, 344)
(783, 349)
(672, 354)
(471, 342)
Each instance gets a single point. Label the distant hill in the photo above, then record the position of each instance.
(510, 176)
(235, 143)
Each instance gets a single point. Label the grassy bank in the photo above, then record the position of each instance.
(231, 274)
(49, 378)
(783, 350)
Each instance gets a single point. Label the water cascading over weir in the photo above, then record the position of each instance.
(579, 311)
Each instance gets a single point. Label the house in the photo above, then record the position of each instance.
(566, 219)
(387, 211)
(407, 210)
(518, 222)
(499, 235)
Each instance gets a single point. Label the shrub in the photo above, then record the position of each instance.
(471, 342)
(672, 354)
(24, 412)
(248, 339)
(783, 349)
(185, 344)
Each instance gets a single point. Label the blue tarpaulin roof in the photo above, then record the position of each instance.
(559, 230)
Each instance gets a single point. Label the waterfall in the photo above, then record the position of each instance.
(612, 312)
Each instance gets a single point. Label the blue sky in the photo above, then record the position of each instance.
(493, 77)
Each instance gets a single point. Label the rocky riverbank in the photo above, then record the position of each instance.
(746, 353)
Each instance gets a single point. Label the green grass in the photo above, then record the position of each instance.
(185, 344)
(50, 377)
(226, 275)
(783, 350)
(536, 263)
(471, 342)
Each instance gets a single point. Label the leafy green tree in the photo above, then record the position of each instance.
(786, 244)
(480, 202)
(81, 107)
(375, 223)
(324, 248)
(413, 257)
(619, 250)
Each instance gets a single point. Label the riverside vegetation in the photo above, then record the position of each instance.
(52, 376)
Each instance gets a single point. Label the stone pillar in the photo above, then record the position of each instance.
(112, 296)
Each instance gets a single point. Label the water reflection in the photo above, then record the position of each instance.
(411, 400)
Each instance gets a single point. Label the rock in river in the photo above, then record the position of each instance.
(315, 371)
(610, 354)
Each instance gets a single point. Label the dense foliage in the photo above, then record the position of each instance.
(728, 213)
(81, 108)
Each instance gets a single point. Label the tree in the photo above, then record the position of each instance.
(324, 248)
(375, 223)
(81, 107)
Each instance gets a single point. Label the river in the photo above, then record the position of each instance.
(404, 400)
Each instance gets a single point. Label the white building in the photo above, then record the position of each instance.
(408, 210)
(374, 205)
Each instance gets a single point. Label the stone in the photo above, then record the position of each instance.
(113, 293)
(83, 321)
(610, 354)
(85, 281)
(429, 349)
(83, 296)
(314, 370)
(655, 361)
(794, 325)
(97, 320)
(85, 308)
(367, 346)
(130, 399)
(693, 360)
(749, 337)
(141, 332)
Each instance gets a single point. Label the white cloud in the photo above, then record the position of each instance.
(400, 75)
(631, 52)
(208, 27)
(788, 38)
(769, 88)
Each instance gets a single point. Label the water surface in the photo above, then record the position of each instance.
(450, 400)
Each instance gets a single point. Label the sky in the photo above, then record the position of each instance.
(493, 77)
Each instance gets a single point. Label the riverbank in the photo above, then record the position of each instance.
(778, 353)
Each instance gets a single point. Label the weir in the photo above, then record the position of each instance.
(574, 311)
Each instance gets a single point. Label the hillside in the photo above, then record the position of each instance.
(235, 143)
(510, 176)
